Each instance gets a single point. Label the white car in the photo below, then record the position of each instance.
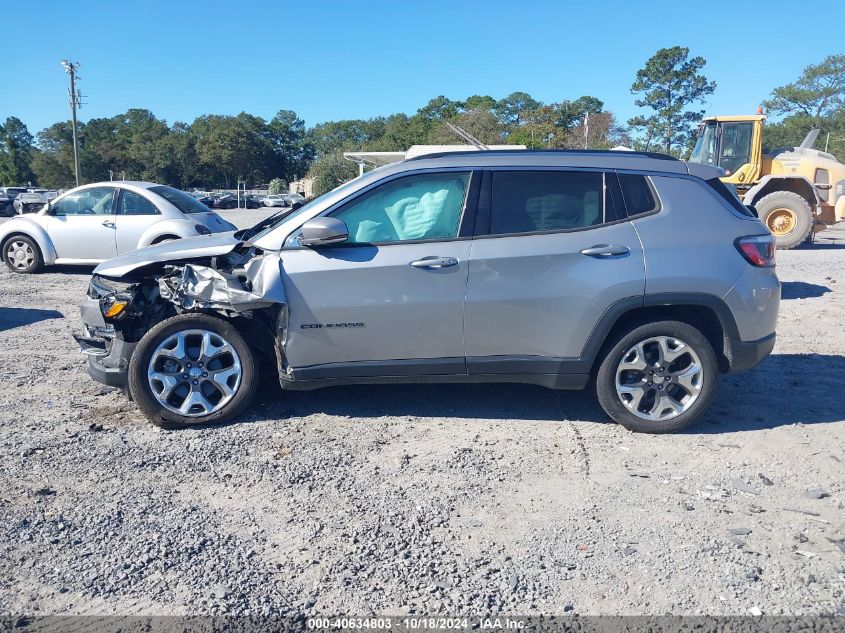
(273, 201)
(93, 223)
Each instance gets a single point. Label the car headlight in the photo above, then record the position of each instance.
(202, 230)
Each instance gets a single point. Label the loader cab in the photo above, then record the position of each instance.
(734, 143)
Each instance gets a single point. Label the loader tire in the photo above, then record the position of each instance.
(788, 216)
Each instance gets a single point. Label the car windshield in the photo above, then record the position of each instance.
(179, 199)
(704, 151)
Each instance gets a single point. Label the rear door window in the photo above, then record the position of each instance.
(537, 201)
(638, 194)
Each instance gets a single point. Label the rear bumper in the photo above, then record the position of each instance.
(745, 355)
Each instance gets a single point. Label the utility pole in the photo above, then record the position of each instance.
(75, 102)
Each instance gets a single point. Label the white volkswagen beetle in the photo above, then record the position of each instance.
(96, 222)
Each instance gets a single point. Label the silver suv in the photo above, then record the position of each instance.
(639, 273)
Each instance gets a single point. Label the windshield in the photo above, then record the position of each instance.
(269, 223)
(186, 203)
(704, 151)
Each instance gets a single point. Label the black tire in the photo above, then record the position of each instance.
(611, 401)
(770, 209)
(142, 393)
(37, 263)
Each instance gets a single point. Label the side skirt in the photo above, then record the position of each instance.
(551, 381)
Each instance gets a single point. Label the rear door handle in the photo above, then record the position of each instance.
(434, 262)
(109, 224)
(606, 250)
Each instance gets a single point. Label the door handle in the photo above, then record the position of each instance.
(434, 262)
(605, 250)
(109, 224)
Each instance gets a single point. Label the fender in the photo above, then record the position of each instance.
(798, 184)
(25, 225)
(169, 226)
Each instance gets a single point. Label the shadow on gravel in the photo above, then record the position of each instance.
(11, 318)
(825, 245)
(802, 290)
(784, 389)
(68, 269)
(471, 401)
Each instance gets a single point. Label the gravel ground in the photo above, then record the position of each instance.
(423, 499)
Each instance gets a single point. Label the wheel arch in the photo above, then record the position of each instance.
(25, 228)
(799, 185)
(708, 313)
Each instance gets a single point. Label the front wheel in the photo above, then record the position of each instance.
(22, 254)
(192, 369)
(658, 378)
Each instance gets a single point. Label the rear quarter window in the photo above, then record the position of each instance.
(186, 203)
(728, 193)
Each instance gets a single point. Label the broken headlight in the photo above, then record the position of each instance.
(113, 302)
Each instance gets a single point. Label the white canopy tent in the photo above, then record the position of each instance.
(378, 159)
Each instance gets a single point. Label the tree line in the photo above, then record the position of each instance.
(218, 151)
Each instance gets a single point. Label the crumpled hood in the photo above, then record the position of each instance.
(186, 248)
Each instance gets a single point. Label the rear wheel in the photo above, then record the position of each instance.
(192, 369)
(658, 378)
(788, 216)
(22, 254)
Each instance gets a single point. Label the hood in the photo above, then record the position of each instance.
(186, 248)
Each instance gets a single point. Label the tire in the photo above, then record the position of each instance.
(788, 217)
(150, 357)
(22, 255)
(688, 397)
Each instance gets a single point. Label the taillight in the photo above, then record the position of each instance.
(759, 250)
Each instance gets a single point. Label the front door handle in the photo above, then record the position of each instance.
(109, 224)
(434, 262)
(606, 250)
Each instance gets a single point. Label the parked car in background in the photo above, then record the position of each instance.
(292, 199)
(226, 201)
(7, 208)
(251, 201)
(30, 200)
(273, 200)
(96, 222)
(203, 197)
(637, 273)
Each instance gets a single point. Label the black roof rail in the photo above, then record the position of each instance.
(499, 152)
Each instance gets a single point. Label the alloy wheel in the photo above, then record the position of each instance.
(20, 255)
(659, 378)
(194, 372)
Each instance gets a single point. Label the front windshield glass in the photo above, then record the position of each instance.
(287, 215)
(704, 151)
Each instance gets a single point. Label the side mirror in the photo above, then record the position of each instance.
(323, 231)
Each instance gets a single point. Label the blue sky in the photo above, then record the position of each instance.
(332, 60)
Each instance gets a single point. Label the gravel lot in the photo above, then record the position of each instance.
(424, 499)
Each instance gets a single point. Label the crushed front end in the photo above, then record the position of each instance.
(242, 286)
(115, 316)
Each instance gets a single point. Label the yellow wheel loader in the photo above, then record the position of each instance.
(796, 190)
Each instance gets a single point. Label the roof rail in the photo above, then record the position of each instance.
(490, 152)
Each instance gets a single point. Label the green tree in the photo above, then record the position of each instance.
(481, 124)
(512, 108)
(818, 92)
(440, 108)
(290, 142)
(15, 153)
(277, 186)
(233, 147)
(330, 171)
(668, 84)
